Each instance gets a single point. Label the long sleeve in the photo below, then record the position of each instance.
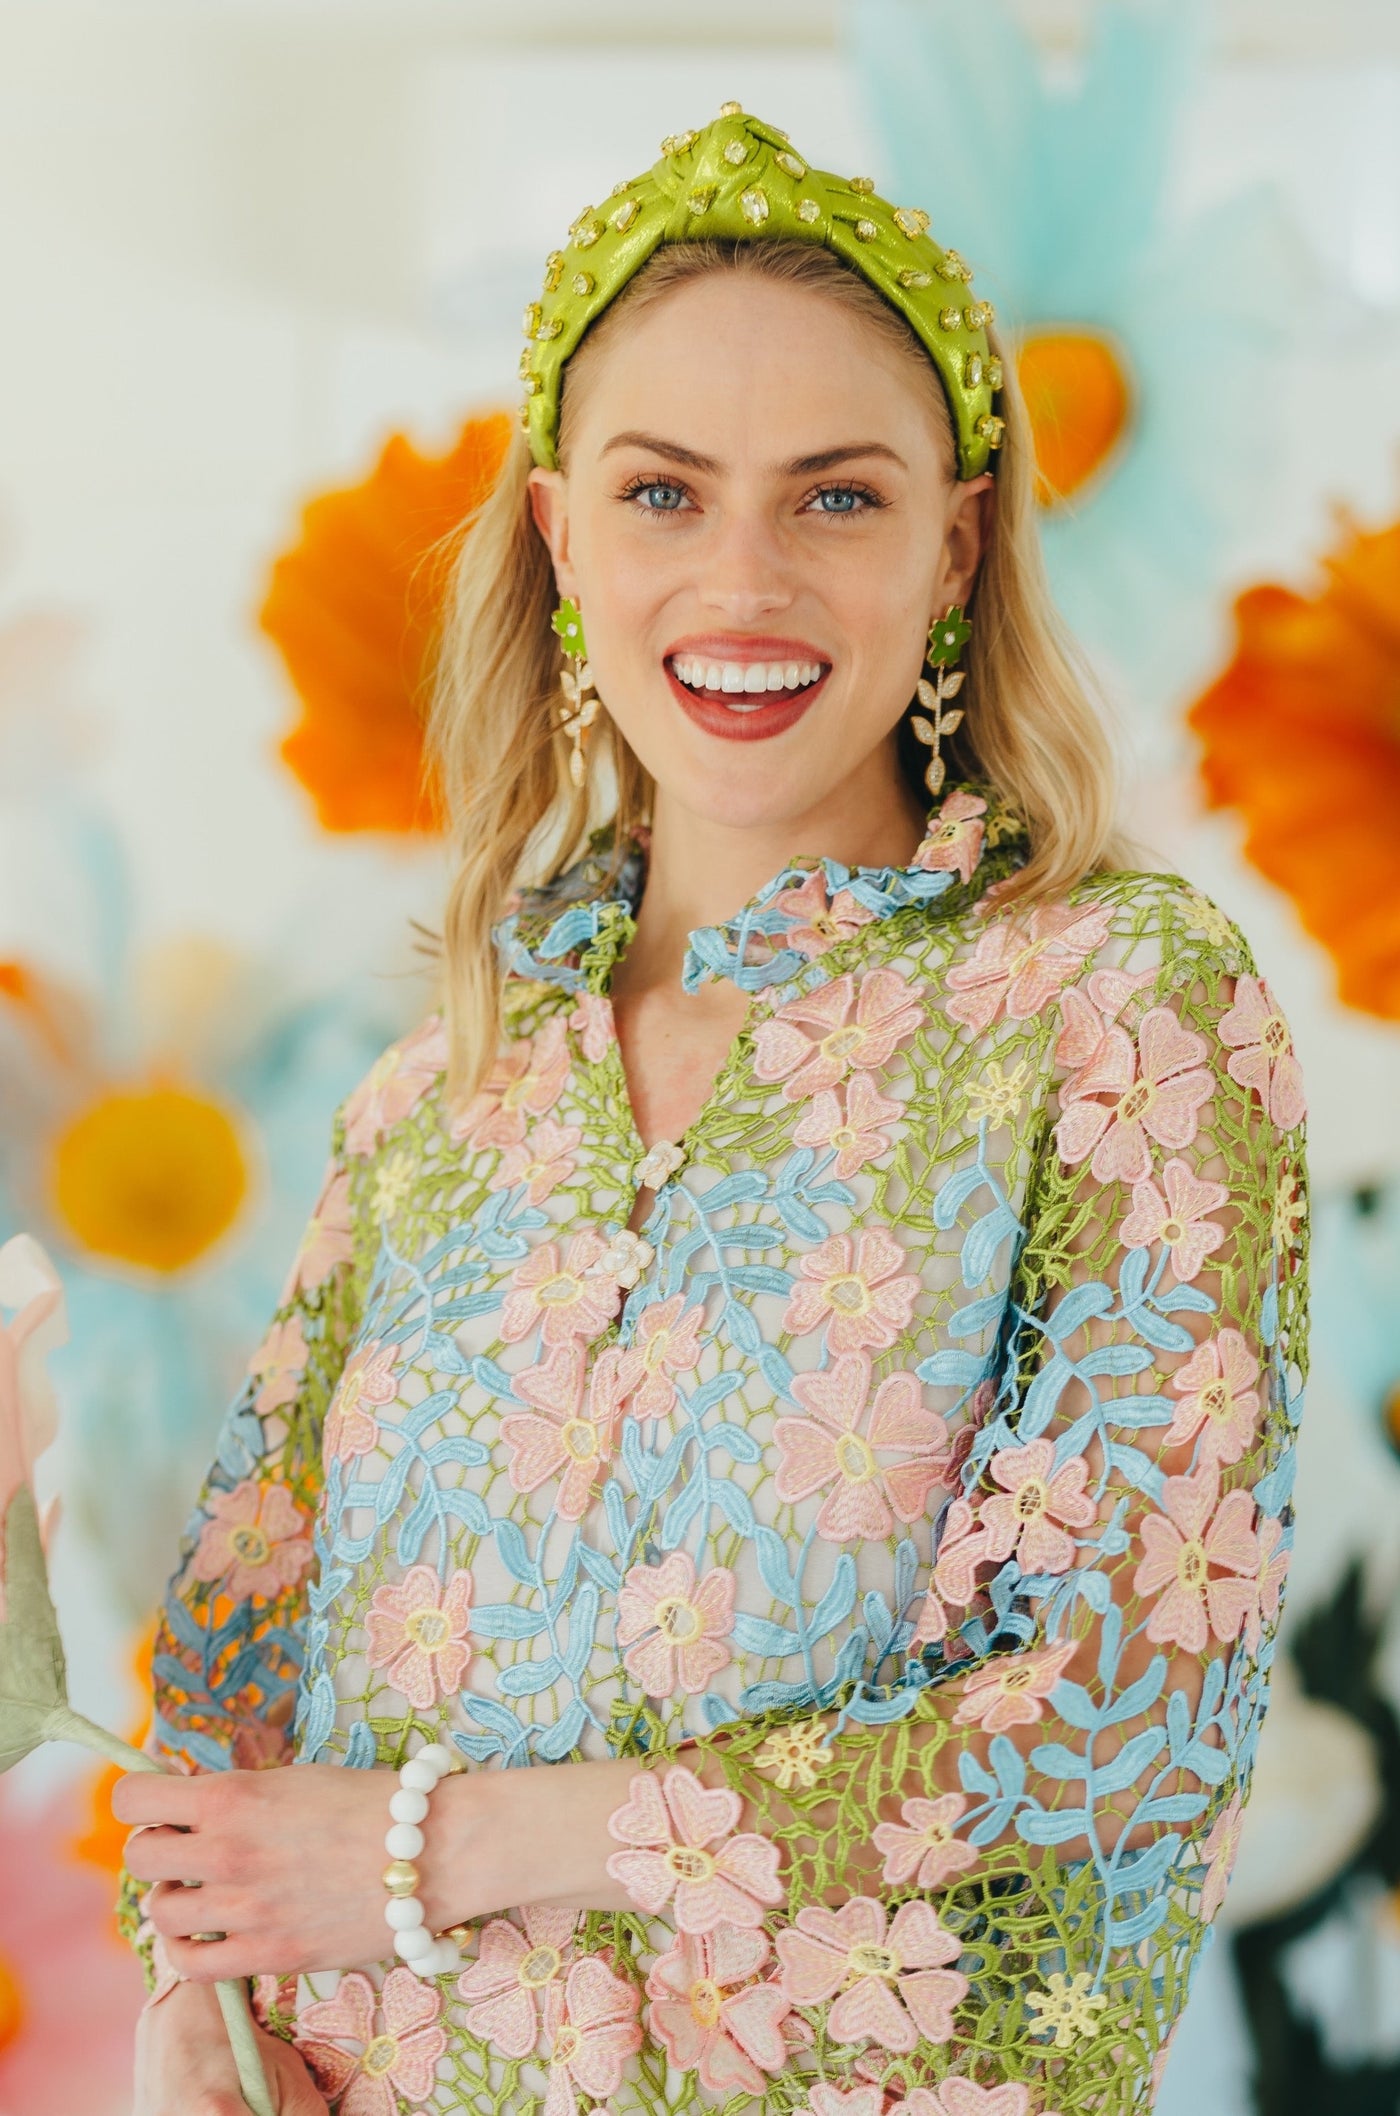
(1048, 1794)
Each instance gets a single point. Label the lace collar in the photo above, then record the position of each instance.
(571, 931)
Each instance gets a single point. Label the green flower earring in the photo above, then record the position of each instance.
(946, 640)
(581, 702)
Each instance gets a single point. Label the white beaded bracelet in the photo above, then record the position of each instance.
(403, 1913)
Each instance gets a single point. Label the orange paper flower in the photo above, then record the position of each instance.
(1302, 736)
(353, 611)
(1079, 402)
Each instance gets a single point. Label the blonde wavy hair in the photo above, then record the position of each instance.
(1032, 730)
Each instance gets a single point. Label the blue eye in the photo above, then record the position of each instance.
(658, 495)
(842, 500)
(845, 499)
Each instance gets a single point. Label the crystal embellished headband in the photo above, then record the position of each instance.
(738, 179)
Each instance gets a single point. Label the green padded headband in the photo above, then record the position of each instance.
(738, 178)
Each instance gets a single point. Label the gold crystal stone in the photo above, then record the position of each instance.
(524, 366)
(996, 374)
(525, 416)
(778, 132)
(582, 283)
(735, 151)
(991, 429)
(864, 184)
(532, 385)
(808, 210)
(972, 371)
(588, 234)
(910, 278)
(753, 204)
(952, 266)
(731, 110)
(578, 221)
(790, 166)
(401, 1878)
(701, 198)
(625, 215)
(553, 270)
(949, 319)
(911, 221)
(550, 329)
(531, 322)
(979, 315)
(618, 190)
(866, 231)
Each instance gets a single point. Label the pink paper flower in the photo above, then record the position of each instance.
(394, 1086)
(671, 1825)
(526, 1081)
(676, 1632)
(542, 1160)
(1034, 1499)
(837, 1449)
(820, 921)
(403, 2056)
(367, 1382)
(855, 1131)
(31, 1289)
(560, 1435)
(711, 2017)
(893, 1985)
(1218, 1855)
(517, 1978)
(954, 844)
(326, 1241)
(592, 1023)
(1178, 1218)
(279, 1364)
(1019, 966)
(921, 1846)
(418, 1634)
(667, 1343)
(256, 1541)
(561, 1299)
(1127, 1092)
(598, 2031)
(888, 1010)
(1217, 1388)
(1261, 1050)
(1195, 1536)
(860, 1285)
(1010, 1689)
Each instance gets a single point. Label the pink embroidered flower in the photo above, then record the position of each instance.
(1218, 1855)
(963, 2097)
(559, 1437)
(1155, 1088)
(418, 1634)
(1010, 1689)
(854, 1132)
(1088, 1010)
(1178, 1218)
(921, 1847)
(598, 2032)
(542, 1160)
(711, 2017)
(279, 1363)
(592, 1023)
(962, 1547)
(526, 1081)
(1182, 1548)
(676, 1632)
(954, 844)
(827, 2100)
(1261, 1049)
(403, 2056)
(326, 1241)
(563, 1300)
(517, 1978)
(667, 1343)
(673, 1823)
(1019, 966)
(858, 1284)
(888, 1009)
(837, 1449)
(1273, 1571)
(820, 922)
(1037, 1499)
(893, 1986)
(367, 1382)
(394, 1086)
(1217, 1388)
(256, 1541)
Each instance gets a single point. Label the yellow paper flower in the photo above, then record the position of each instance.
(151, 1174)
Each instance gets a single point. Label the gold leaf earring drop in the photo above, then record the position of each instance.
(946, 640)
(579, 708)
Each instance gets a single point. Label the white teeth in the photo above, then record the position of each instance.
(746, 678)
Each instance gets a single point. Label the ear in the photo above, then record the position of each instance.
(967, 533)
(549, 504)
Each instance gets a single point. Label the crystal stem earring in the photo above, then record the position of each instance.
(946, 640)
(581, 702)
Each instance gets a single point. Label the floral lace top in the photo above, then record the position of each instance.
(925, 1460)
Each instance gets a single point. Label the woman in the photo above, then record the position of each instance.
(818, 1377)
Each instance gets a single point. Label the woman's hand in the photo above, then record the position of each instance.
(184, 2066)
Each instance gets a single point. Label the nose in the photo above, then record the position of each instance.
(745, 575)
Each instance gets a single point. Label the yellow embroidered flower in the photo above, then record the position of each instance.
(997, 1095)
(1211, 921)
(796, 1755)
(1288, 1213)
(1068, 2006)
(392, 1184)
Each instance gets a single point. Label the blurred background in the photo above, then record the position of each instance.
(263, 265)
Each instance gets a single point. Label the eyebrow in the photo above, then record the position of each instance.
(797, 466)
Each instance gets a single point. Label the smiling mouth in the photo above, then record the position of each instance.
(745, 686)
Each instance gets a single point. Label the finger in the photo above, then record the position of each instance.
(241, 1954)
(156, 1796)
(155, 1853)
(178, 1913)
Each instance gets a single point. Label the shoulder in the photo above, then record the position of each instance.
(1157, 920)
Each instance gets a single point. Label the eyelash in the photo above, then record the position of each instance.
(667, 484)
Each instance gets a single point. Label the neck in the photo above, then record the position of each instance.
(699, 871)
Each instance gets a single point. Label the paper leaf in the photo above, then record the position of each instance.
(33, 1676)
